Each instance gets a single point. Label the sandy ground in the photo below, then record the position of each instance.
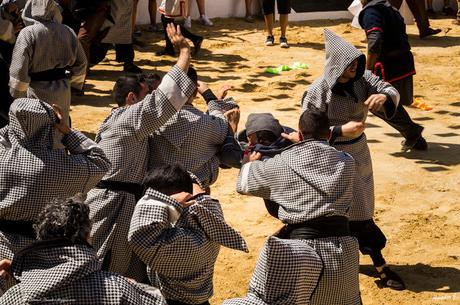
(417, 193)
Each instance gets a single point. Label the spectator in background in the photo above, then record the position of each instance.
(249, 16)
(203, 18)
(457, 21)
(284, 8)
(153, 17)
(418, 9)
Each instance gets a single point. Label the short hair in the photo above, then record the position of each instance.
(314, 124)
(64, 218)
(266, 136)
(192, 74)
(125, 85)
(169, 179)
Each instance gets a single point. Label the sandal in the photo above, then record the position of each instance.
(390, 279)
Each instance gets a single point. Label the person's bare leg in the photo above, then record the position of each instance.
(248, 8)
(284, 18)
(269, 19)
(153, 12)
(201, 7)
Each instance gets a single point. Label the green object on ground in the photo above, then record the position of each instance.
(294, 66)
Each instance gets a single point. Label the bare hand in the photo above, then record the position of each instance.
(353, 129)
(60, 125)
(5, 268)
(176, 37)
(222, 93)
(254, 156)
(183, 199)
(294, 136)
(197, 189)
(202, 87)
(375, 101)
(233, 118)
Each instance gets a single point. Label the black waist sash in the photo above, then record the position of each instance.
(352, 141)
(133, 188)
(322, 227)
(20, 227)
(49, 75)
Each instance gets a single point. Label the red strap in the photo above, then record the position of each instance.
(375, 28)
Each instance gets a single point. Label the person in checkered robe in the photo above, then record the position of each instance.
(312, 183)
(193, 138)
(179, 236)
(62, 268)
(124, 137)
(32, 172)
(287, 273)
(47, 58)
(347, 91)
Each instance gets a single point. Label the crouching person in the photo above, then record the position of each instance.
(62, 268)
(178, 235)
(313, 184)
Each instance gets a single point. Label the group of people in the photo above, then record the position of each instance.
(128, 218)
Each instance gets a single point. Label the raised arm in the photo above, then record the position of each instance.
(256, 176)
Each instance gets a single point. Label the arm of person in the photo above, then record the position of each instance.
(382, 96)
(173, 92)
(256, 177)
(19, 68)
(372, 22)
(231, 153)
(78, 70)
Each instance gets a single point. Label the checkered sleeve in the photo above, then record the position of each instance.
(255, 178)
(79, 68)
(139, 294)
(376, 85)
(19, 69)
(157, 108)
(151, 219)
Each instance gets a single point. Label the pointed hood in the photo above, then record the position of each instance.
(39, 11)
(287, 273)
(339, 55)
(31, 123)
(55, 263)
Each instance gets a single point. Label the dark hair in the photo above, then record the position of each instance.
(314, 124)
(192, 74)
(64, 218)
(266, 137)
(151, 79)
(125, 85)
(169, 179)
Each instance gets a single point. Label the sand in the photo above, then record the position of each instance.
(417, 193)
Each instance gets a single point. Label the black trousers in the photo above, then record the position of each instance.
(370, 238)
(401, 121)
(187, 34)
(7, 99)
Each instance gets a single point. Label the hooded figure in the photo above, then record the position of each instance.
(344, 103)
(193, 139)
(180, 245)
(47, 58)
(59, 270)
(32, 172)
(287, 273)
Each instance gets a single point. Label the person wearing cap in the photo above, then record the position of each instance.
(313, 184)
(347, 91)
(193, 138)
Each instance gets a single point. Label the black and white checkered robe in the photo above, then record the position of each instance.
(342, 109)
(32, 173)
(122, 31)
(310, 180)
(124, 138)
(180, 245)
(71, 274)
(287, 273)
(193, 139)
(46, 44)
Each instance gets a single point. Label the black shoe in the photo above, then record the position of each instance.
(417, 144)
(197, 45)
(270, 41)
(429, 32)
(390, 279)
(283, 42)
(165, 52)
(130, 67)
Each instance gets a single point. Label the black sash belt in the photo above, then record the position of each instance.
(49, 75)
(353, 141)
(133, 188)
(332, 226)
(20, 227)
